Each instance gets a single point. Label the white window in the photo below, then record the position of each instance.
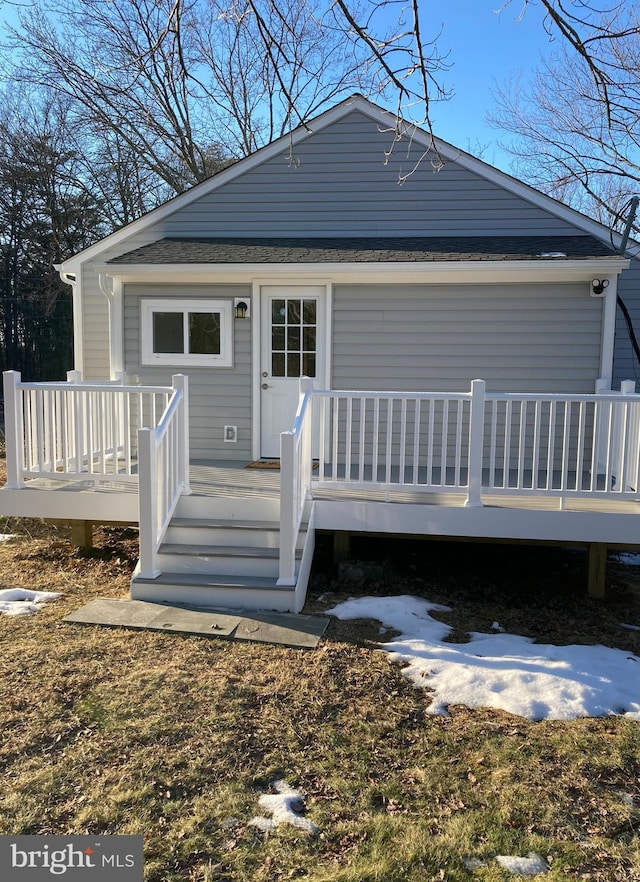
(187, 332)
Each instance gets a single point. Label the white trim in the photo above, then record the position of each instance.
(112, 288)
(256, 307)
(607, 344)
(499, 521)
(148, 306)
(488, 271)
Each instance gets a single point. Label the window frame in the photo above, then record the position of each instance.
(150, 306)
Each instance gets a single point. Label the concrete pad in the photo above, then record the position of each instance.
(284, 629)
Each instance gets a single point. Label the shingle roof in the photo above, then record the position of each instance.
(232, 250)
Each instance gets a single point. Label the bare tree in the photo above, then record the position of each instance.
(123, 64)
(575, 140)
(257, 93)
(45, 214)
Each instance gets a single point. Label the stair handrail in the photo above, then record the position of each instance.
(163, 474)
(295, 481)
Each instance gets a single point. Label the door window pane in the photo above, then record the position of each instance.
(277, 364)
(168, 332)
(278, 312)
(293, 339)
(293, 364)
(204, 333)
(309, 364)
(277, 339)
(293, 312)
(309, 314)
(309, 339)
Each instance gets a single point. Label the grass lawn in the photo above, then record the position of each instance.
(176, 737)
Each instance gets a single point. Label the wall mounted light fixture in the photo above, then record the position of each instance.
(241, 308)
(598, 286)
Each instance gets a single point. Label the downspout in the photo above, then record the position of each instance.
(76, 307)
(112, 290)
(633, 208)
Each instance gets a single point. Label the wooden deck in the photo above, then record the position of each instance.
(233, 478)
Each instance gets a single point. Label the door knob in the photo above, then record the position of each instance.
(265, 385)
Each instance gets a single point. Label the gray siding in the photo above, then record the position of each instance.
(625, 363)
(519, 338)
(218, 396)
(341, 184)
(95, 328)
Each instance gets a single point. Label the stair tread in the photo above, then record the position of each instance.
(249, 551)
(222, 523)
(213, 581)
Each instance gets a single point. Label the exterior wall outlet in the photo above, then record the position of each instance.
(230, 434)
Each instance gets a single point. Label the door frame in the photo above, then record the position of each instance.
(322, 380)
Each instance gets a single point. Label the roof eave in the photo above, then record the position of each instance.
(554, 269)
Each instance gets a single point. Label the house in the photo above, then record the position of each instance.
(437, 357)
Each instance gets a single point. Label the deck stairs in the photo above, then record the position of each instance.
(223, 552)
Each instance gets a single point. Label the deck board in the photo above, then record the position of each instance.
(232, 478)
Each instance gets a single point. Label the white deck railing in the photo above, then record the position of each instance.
(163, 474)
(477, 442)
(558, 445)
(295, 482)
(76, 431)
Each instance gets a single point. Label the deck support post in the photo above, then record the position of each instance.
(82, 534)
(476, 443)
(341, 546)
(597, 570)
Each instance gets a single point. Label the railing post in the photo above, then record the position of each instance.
(181, 382)
(628, 438)
(13, 430)
(287, 574)
(476, 443)
(148, 504)
(601, 431)
(306, 388)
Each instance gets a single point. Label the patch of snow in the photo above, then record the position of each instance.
(520, 866)
(629, 627)
(4, 537)
(284, 807)
(471, 863)
(630, 558)
(497, 627)
(20, 601)
(505, 671)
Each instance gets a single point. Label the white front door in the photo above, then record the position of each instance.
(291, 346)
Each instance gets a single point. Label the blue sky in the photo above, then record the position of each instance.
(485, 48)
